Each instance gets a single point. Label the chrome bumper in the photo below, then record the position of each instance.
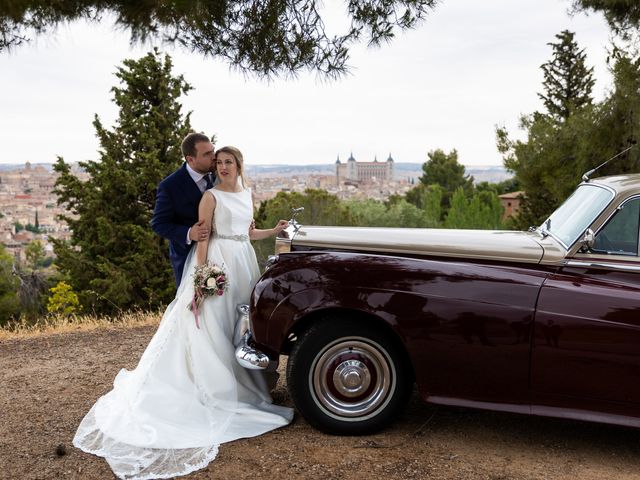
(246, 355)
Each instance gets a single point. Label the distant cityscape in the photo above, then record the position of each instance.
(481, 173)
(29, 209)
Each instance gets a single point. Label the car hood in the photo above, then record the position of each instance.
(476, 244)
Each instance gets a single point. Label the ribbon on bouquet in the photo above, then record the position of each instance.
(194, 308)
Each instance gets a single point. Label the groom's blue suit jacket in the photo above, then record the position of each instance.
(175, 212)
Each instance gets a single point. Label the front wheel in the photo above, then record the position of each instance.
(347, 377)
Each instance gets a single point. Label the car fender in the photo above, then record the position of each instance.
(298, 311)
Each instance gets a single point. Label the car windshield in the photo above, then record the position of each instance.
(577, 213)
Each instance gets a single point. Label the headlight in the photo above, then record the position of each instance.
(283, 240)
(283, 245)
(271, 260)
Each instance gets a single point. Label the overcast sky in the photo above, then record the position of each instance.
(470, 66)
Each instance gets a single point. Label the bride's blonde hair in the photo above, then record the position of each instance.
(237, 155)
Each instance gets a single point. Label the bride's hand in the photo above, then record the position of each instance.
(282, 224)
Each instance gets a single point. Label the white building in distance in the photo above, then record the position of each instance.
(355, 173)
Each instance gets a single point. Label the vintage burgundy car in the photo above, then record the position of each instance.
(545, 322)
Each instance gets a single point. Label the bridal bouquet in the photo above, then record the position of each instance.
(208, 280)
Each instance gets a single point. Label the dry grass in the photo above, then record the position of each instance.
(52, 324)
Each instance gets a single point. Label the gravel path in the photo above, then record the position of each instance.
(48, 382)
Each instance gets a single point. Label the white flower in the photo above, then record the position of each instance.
(211, 282)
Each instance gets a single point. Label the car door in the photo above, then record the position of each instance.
(471, 345)
(586, 350)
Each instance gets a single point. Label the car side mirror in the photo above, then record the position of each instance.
(587, 240)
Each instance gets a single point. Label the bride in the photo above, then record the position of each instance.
(168, 416)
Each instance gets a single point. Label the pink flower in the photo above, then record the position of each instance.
(208, 280)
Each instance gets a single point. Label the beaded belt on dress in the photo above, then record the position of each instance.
(238, 238)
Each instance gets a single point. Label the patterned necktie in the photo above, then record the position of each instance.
(209, 184)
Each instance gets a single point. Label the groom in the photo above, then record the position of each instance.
(175, 216)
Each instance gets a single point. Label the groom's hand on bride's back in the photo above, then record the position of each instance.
(198, 232)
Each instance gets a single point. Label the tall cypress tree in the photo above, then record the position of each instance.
(549, 164)
(114, 261)
(567, 80)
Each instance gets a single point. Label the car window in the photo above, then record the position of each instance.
(620, 234)
(575, 215)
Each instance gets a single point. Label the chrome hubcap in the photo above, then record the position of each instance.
(352, 378)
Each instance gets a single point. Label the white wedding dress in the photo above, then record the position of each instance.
(188, 395)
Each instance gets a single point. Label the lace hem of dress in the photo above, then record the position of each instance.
(130, 462)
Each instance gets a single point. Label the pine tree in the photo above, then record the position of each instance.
(567, 80)
(623, 16)
(443, 169)
(114, 261)
(263, 37)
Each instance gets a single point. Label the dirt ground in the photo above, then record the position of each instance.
(48, 382)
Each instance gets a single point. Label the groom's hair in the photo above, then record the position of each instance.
(189, 143)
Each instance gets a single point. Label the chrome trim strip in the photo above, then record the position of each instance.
(462, 402)
(605, 265)
(541, 410)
